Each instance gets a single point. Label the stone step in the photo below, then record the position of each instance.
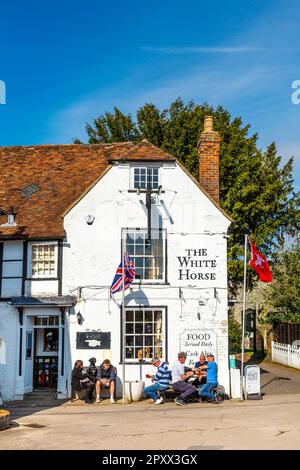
(41, 395)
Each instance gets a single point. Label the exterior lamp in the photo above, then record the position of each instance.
(79, 317)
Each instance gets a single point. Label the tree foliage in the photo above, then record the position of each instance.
(234, 334)
(256, 190)
(284, 292)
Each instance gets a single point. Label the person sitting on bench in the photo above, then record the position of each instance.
(201, 374)
(211, 379)
(106, 377)
(178, 380)
(160, 381)
(80, 380)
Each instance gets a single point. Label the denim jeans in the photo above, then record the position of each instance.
(152, 390)
(205, 390)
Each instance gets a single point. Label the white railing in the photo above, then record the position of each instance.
(286, 354)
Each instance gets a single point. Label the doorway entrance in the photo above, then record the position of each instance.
(42, 353)
(46, 347)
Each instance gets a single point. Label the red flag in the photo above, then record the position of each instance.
(260, 264)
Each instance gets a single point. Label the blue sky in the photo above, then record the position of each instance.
(65, 62)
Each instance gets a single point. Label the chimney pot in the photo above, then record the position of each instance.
(208, 124)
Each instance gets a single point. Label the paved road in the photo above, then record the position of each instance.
(272, 423)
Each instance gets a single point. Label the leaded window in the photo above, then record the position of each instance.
(43, 260)
(149, 255)
(144, 333)
(145, 177)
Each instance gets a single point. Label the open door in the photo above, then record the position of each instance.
(29, 354)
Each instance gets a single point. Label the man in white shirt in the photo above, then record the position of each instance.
(178, 380)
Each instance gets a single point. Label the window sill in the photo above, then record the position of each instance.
(41, 279)
(144, 363)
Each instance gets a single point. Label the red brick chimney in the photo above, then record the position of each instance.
(209, 156)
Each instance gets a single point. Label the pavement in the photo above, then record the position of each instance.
(270, 423)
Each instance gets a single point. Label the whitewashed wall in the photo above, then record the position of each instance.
(92, 253)
(9, 334)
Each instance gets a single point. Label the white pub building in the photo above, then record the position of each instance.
(64, 210)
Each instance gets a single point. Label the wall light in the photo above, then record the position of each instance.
(79, 318)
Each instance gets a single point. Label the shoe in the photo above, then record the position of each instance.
(88, 402)
(212, 400)
(98, 400)
(158, 401)
(112, 400)
(179, 402)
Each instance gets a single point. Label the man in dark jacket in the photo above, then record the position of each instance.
(106, 377)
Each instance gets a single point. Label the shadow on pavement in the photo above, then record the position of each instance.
(23, 408)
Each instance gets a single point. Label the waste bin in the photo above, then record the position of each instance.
(134, 389)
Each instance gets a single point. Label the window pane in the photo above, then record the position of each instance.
(158, 340)
(138, 328)
(129, 341)
(129, 353)
(148, 353)
(149, 315)
(158, 352)
(148, 328)
(129, 328)
(157, 315)
(139, 249)
(148, 340)
(139, 340)
(129, 315)
(139, 315)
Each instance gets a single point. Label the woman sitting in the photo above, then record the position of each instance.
(80, 380)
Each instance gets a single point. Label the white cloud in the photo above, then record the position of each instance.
(199, 50)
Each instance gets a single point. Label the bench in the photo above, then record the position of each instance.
(170, 394)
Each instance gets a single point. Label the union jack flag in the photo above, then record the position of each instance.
(129, 273)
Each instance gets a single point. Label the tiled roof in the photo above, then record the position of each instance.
(144, 150)
(42, 182)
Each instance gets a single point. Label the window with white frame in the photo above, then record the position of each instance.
(144, 177)
(44, 260)
(148, 255)
(144, 333)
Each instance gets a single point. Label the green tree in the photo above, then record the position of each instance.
(234, 334)
(284, 292)
(255, 188)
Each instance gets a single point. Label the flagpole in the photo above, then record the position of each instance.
(244, 315)
(123, 317)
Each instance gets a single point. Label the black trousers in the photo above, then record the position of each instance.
(89, 388)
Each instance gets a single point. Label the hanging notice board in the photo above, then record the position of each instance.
(93, 340)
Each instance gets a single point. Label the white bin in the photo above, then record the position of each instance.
(134, 389)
